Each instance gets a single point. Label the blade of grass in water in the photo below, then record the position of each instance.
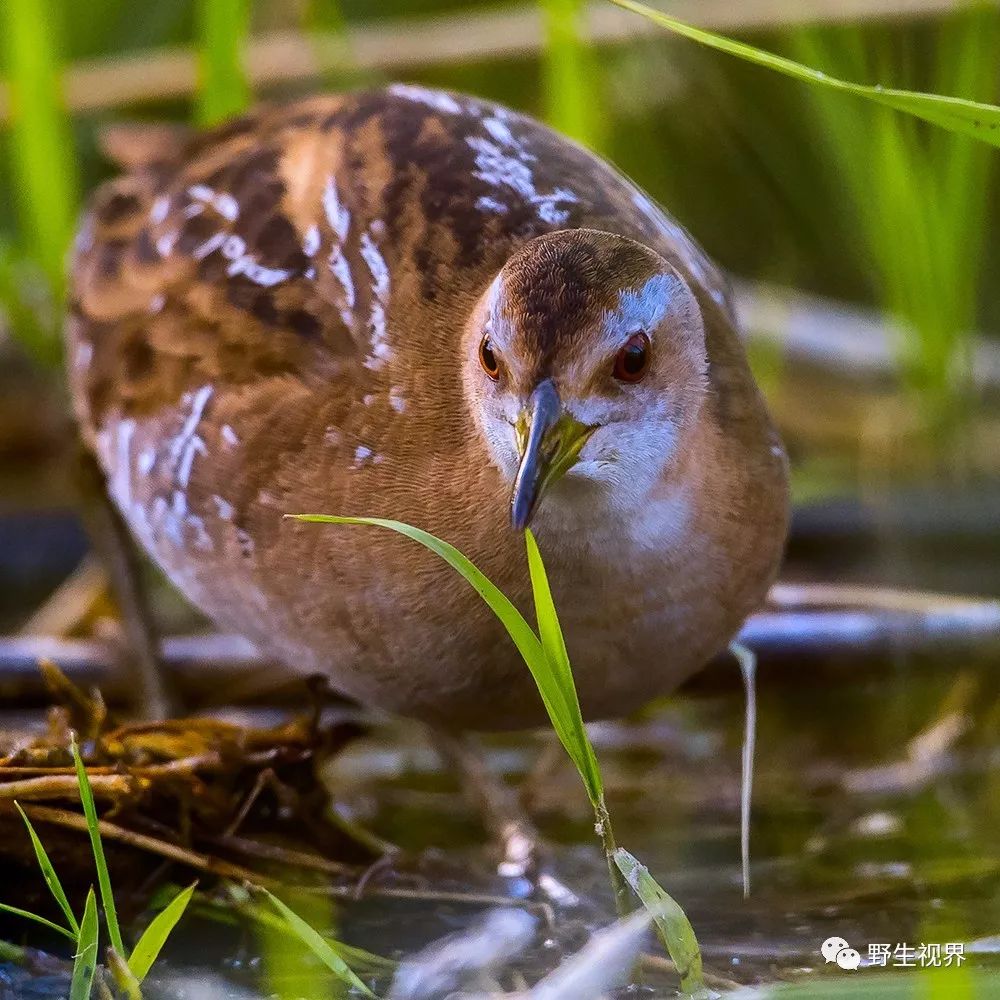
(318, 945)
(38, 919)
(154, 937)
(223, 26)
(51, 878)
(239, 901)
(550, 633)
(128, 985)
(982, 121)
(100, 862)
(85, 960)
(671, 921)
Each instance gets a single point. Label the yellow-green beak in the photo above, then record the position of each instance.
(549, 441)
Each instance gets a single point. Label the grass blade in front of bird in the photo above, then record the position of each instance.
(522, 634)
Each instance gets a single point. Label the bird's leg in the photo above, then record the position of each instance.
(154, 700)
(498, 804)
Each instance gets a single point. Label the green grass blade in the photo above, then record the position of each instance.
(44, 167)
(550, 633)
(240, 903)
(528, 644)
(154, 937)
(318, 945)
(671, 922)
(100, 862)
(570, 75)
(982, 121)
(85, 960)
(51, 878)
(223, 27)
(38, 919)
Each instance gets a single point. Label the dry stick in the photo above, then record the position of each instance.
(152, 845)
(386, 46)
(225, 869)
(852, 620)
(659, 963)
(111, 786)
(748, 669)
(285, 855)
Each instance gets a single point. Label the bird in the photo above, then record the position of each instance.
(414, 304)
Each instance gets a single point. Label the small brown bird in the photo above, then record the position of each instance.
(413, 304)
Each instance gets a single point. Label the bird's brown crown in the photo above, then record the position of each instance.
(559, 286)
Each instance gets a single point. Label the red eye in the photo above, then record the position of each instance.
(632, 360)
(488, 360)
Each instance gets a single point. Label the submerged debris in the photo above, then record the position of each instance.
(207, 794)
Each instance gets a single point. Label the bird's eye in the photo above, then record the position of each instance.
(632, 360)
(488, 359)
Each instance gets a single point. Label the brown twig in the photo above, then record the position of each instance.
(106, 786)
(151, 845)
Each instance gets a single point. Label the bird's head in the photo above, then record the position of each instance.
(584, 360)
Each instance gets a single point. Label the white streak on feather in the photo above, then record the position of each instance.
(122, 481)
(311, 241)
(377, 266)
(336, 213)
(158, 210)
(259, 274)
(210, 245)
(503, 169)
(225, 204)
(186, 445)
(224, 508)
(380, 350)
(436, 99)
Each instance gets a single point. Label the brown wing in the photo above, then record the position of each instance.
(203, 265)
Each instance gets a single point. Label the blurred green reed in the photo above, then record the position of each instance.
(570, 74)
(917, 194)
(326, 26)
(222, 29)
(43, 173)
(918, 191)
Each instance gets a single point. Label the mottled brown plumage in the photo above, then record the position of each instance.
(287, 314)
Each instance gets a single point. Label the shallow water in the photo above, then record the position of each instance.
(876, 820)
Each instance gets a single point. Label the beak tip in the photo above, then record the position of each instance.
(520, 514)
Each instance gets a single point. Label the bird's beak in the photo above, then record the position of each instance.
(549, 441)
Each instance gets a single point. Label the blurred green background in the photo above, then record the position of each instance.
(792, 189)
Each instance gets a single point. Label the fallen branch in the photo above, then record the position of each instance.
(849, 622)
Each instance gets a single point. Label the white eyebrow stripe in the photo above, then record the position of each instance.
(641, 308)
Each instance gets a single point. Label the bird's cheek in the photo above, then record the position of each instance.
(501, 443)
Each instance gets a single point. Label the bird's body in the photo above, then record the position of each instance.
(284, 317)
